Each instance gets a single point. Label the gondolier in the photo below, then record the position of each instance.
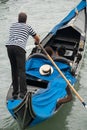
(19, 33)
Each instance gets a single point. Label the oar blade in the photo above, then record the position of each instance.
(84, 104)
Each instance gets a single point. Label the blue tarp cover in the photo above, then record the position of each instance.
(45, 100)
(33, 65)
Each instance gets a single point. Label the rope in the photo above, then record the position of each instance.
(30, 110)
(26, 106)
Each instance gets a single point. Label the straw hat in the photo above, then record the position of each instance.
(46, 69)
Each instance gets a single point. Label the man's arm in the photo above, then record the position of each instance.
(66, 99)
(37, 39)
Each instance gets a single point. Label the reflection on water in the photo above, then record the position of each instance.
(3, 1)
(9, 124)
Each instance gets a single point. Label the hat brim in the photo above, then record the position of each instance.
(42, 73)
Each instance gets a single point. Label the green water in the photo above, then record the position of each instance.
(42, 15)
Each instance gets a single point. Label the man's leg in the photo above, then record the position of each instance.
(21, 71)
(14, 71)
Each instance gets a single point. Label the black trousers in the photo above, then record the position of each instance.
(17, 60)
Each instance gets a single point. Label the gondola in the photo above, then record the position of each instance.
(45, 89)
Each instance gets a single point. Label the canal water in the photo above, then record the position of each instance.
(43, 15)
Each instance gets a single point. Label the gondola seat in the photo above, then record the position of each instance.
(38, 55)
(62, 59)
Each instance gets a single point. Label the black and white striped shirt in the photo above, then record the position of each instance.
(19, 33)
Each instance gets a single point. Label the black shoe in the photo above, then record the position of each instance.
(15, 96)
(22, 95)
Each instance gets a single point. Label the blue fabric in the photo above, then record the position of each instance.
(13, 104)
(45, 100)
(72, 14)
(33, 65)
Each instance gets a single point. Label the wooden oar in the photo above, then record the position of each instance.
(69, 84)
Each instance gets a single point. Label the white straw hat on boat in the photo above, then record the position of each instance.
(46, 69)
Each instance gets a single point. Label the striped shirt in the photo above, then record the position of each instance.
(19, 33)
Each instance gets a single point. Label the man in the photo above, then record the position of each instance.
(19, 33)
(49, 50)
(61, 51)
